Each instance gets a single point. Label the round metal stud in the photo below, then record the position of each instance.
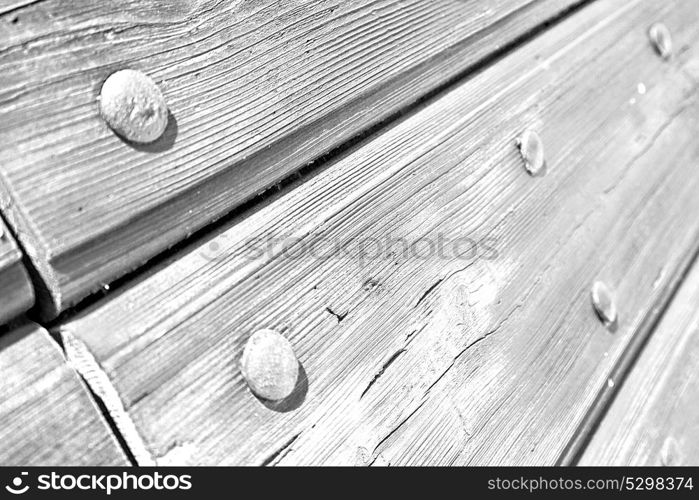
(603, 302)
(269, 365)
(133, 106)
(532, 149)
(662, 40)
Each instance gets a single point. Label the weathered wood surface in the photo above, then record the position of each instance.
(16, 292)
(257, 89)
(654, 419)
(413, 358)
(46, 414)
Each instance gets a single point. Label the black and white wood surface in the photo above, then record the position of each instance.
(420, 357)
(47, 417)
(256, 88)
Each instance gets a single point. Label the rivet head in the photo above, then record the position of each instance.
(662, 40)
(603, 302)
(133, 106)
(269, 365)
(532, 149)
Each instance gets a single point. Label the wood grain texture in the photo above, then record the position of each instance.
(16, 291)
(417, 356)
(654, 419)
(47, 417)
(257, 89)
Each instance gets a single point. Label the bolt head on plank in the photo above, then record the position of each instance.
(532, 149)
(662, 40)
(133, 106)
(604, 303)
(269, 365)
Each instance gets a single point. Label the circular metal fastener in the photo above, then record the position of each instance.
(662, 40)
(532, 149)
(603, 302)
(133, 106)
(269, 365)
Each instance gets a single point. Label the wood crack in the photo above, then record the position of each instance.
(281, 452)
(382, 370)
(393, 431)
(16, 8)
(338, 316)
(654, 138)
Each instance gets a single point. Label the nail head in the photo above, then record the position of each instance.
(531, 148)
(133, 106)
(662, 40)
(604, 304)
(269, 365)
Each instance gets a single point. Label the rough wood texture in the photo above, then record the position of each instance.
(256, 89)
(46, 415)
(434, 358)
(16, 291)
(654, 419)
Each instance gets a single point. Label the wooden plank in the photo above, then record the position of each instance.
(257, 89)
(428, 357)
(16, 291)
(47, 417)
(654, 419)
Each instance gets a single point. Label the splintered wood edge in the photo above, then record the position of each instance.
(36, 367)
(81, 359)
